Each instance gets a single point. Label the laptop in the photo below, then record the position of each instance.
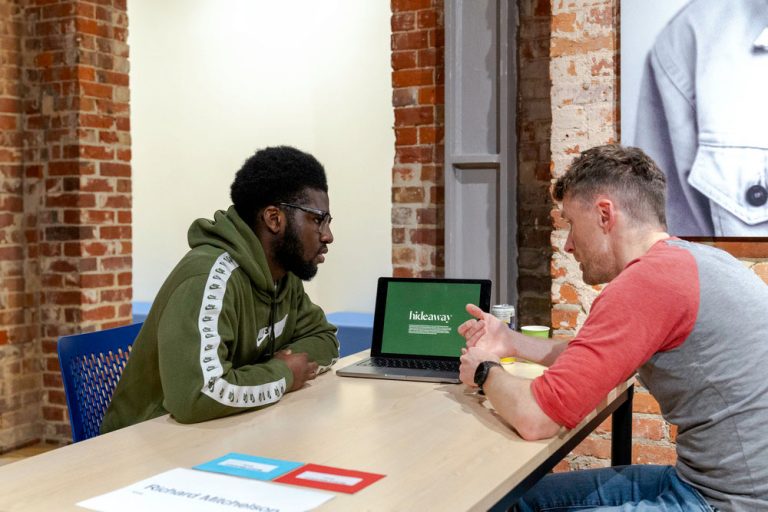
(415, 328)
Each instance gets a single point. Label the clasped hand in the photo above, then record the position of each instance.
(301, 367)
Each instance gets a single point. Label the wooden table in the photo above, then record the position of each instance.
(440, 446)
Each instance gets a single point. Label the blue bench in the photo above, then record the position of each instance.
(355, 331)
(140, 310)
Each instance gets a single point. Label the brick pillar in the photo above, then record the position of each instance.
(75, 186)
(417, 176)
(20, 375)
(585, 113)
(534, 122)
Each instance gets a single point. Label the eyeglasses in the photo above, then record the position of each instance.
(322, 219)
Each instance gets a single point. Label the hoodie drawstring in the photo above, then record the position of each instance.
(272, 323)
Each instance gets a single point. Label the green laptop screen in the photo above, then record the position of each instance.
(421, 318)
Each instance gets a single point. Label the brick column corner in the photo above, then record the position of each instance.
(70, 178)
(417, 176)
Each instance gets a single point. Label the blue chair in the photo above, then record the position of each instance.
(355, 331)
(91, 364)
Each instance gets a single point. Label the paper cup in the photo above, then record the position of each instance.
(537, 331)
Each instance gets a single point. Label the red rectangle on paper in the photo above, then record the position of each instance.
(330, 479)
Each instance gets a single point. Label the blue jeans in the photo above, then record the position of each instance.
(620, 488)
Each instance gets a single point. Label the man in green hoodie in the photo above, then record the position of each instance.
(232, 329)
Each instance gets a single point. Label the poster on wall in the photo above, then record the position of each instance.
(694, 96)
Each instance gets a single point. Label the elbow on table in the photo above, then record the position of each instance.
(186, 415)
(191, 411)
(184, 419)
(533, 429)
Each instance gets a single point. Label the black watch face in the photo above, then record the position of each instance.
(481, 374)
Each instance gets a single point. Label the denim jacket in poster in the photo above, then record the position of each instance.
(703, 117)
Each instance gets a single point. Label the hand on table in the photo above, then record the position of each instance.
(302, 368)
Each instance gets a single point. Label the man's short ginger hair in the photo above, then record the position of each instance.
(625, 173)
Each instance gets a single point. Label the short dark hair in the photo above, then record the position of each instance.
(626, 173)
(274, 175)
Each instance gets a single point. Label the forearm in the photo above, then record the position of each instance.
(235, 390)
(537, 350)
(513, 400)
(322, 348)
(314, 335)
(201, 381)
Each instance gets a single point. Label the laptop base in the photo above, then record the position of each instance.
(359, 369)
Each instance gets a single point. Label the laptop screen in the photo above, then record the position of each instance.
(420, 317)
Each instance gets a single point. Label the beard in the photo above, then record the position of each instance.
(592, 279)
(596, 272)
(290, 255)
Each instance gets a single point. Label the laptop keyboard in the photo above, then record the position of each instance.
(418, 364)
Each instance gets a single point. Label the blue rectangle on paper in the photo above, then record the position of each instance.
(248, 466)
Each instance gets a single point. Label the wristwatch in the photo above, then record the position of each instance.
(481, 373)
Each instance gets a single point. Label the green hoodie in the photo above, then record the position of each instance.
(205, 350)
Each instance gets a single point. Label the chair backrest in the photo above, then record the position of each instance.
(91, 364)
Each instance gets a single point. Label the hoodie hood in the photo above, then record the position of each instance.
(228, 232)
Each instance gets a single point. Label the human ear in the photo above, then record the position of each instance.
(606, 211)
(272, 216)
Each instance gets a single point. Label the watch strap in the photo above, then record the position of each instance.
(482, 371)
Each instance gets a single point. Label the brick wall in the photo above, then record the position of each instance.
(534, 126)
(68, 255)
(20, 367)
(585, 103)
(417, 176)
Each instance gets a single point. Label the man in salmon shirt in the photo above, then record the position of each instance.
(688, 318)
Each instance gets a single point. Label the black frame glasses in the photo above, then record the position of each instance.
(322, 218)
